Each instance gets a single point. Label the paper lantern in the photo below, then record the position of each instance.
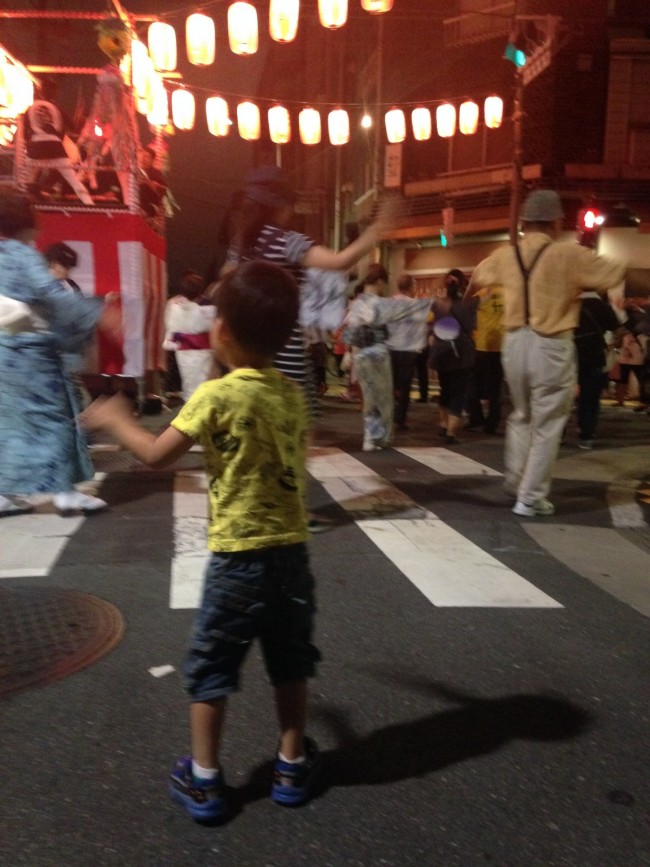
(279, 124)
(395, 125)
(7, 133)
(161, 39)
(468, 117)
(217, 115)
(159, 114)
(421, 123)
(4, 95)
(183, 109)
(248, 121)
(199, 34)
(377, 6)
(493, 112)
(446, 120)
(283, 20)
(242, 28)
(19, 90)
(310, 126)
(333, 13)
(338, 124)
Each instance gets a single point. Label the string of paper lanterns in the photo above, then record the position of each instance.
(448, 119)
(243, 29)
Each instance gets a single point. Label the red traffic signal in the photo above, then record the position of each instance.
(590, 218)
(589, 223)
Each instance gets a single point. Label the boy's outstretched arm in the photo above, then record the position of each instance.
(115, 416)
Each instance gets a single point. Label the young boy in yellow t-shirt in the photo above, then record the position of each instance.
(252, 424)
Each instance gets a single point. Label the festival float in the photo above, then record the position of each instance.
(90, 191)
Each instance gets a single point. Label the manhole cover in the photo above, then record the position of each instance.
(47, 633)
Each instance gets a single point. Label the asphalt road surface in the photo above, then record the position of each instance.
(484, 692)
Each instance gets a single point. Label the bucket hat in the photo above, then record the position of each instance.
(542, 206)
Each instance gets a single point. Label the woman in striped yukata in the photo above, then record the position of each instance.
(262, 232)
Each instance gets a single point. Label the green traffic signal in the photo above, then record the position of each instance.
(515, 55)
(443, 238)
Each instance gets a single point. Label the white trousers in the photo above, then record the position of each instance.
(194, 367)
(541, 376)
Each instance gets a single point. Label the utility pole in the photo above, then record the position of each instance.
(517, 157)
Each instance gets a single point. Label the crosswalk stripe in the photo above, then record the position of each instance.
(448, 463)
(32, 543)
(190, 509)
(445, 566)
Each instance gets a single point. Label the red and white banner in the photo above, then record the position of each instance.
(118, 252)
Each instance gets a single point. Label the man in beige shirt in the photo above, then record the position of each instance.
(542, 280)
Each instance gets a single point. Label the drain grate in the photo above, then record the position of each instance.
(48, 633)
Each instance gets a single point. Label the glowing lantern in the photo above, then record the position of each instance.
(283, 20)
(309, 123)
(143, 76)
(159, 114)
(421, 123)
(279, 124)
(338, 124)
(4, 97)
(218, 116)
(377, 6)
(493, 112)
(7, 133)
(248, 121)
(19, 90)
(199, 32)
(161, 38)
(468, 117)
(395, 125)
(242, 28)
(333, 13)
(183, 109)
(446, 120)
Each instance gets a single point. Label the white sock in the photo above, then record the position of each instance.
(299, 761)
(200, 773)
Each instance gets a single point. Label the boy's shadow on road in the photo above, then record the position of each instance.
(421, 746)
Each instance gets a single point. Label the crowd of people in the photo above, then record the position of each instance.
(520, 315)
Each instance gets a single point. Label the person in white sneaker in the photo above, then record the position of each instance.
(542, 280)
(43, 449)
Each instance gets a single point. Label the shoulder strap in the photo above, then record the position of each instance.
(526, 272)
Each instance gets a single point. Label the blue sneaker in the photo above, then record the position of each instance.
(204, 801)
(292, 783)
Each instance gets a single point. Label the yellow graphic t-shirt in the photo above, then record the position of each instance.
(252, 425)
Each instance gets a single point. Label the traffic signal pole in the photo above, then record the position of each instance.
(517, 157)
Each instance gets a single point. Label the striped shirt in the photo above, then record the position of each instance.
(287, 249)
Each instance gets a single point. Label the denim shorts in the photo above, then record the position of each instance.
(266, 594)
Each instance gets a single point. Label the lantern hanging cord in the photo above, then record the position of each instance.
(307, 103)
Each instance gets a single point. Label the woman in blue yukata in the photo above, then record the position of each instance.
(42, 449)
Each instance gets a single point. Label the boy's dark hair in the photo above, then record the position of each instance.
(61, 254)
(16, 212)
(259, 302)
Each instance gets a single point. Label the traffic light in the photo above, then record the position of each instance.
(515, 55)
(589, 224)
(447, 230)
